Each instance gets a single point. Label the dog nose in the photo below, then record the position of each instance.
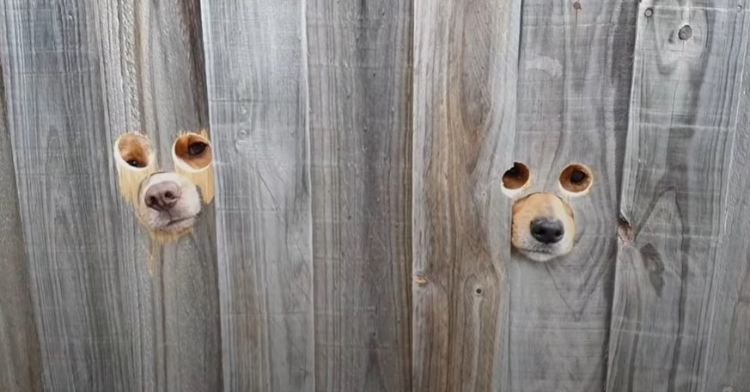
(162, 196)
(547, 231)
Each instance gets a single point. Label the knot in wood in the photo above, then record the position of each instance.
(685, 32)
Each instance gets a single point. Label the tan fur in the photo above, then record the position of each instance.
(133, 146)
(199, 170)
(160, 223)
(541, 205)
(137, 170)
(183, 142)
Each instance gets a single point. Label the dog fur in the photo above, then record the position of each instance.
(138, 173)
(546, 206)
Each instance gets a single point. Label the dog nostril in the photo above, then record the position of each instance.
(162, 196)
(547, 231)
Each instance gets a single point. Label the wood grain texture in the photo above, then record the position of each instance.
(359, 63)
(676, 182)
(465, 61)
(257, 96)
(728, 342)
(167, 53)
(20, 360)
(72, 72)
(573, 87)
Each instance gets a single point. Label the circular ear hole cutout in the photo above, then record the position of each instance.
(193, 149)
(576, 178)
(134, 150)
(516, 177)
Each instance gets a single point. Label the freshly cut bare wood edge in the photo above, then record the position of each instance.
(202, 177)
(130, 178)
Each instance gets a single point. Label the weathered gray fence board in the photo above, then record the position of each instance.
(360, 151)
(465, 56)
(71, 87)
(685, 97)
(360, 240)
(171, 98)
(573, 94)
(81, 261)
(728, 340)
(258, 102)
(20, 361)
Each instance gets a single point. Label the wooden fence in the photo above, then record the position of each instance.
(359, 240)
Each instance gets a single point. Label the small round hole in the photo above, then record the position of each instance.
(576, 178)
(134, 149)
(516, 177)
(193, 149)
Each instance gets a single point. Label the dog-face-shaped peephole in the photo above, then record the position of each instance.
(543, 224)
(166, 203)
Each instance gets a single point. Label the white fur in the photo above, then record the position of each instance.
(179, 218)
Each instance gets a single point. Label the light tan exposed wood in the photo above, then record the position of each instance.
(135, 161)
(197, 167)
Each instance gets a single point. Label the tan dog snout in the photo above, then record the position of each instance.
(543, 226)
(167, 203)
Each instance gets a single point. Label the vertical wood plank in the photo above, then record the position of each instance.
(727, 342)
(20, 361)
(81, 261)
(257, 93)
(675, 198)
(360, 143)
(73, 84)
(168, 64)
(465, 62)
(573, 88)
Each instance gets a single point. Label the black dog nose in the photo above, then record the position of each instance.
(547, 231)
(162, 196)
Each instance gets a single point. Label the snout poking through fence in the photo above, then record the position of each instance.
(166, 203)
(543, 224)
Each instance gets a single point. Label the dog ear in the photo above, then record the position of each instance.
(193, 159)
(135, 161)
